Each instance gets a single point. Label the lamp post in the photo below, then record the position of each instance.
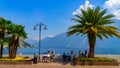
(40, 28)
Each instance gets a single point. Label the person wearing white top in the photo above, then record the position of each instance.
(48, 55)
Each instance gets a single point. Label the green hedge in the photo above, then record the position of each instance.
(96, 59)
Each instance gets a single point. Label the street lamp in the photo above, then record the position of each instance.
(40, 28)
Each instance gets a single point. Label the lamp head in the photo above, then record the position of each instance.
(45, 28)
(34, 28)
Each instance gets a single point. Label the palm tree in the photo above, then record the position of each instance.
(20, 34)
(3, 27)
(17, 32)
(93, 23)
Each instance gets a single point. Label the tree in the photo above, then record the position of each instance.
(3, 28)
(94, 23)
(20, 34)
(17, 32)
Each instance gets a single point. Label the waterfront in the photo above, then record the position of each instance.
(60, 51)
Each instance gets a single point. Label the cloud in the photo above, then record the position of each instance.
(37, 38)
(114, 7)
(85, 6)
(50, 36)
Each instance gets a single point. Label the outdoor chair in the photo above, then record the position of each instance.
(46, 59)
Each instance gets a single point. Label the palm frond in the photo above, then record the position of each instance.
(71, 32)
(75, 26)
(94, 21)
(94, 30)
(99, 36)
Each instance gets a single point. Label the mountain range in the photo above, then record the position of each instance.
(74, 41)
(22, 44)
(61, 43)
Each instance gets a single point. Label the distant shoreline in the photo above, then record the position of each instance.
(96, 55)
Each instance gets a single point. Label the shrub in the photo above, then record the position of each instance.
(96, 59)
(18, 58)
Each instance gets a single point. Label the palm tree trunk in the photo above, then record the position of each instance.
(1, 50)
(11, 47)
(9, 50)
(12, 51)
(92, 40)
(16, 46)
(1, 47)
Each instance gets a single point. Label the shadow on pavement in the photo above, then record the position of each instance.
(59, 59)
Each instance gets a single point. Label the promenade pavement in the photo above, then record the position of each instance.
(54, 65)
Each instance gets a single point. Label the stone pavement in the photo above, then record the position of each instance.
(54, 65)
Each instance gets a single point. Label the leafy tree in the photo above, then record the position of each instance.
(3, 28)
(94, 23)
(17, 32)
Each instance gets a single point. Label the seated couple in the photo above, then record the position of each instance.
(46, 57)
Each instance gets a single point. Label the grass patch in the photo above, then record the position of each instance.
(96, 59)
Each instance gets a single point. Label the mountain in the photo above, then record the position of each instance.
(63, 44)
(74, 41)
(31, 41)
(62, 41)
(22, 43)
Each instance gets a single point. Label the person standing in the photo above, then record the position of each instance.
(53, 54)
(64, 57)
(48, 52)
(80, 53)
(86, 53)
(44, 58)
(71, 55)
(67, 57)
(35, 59)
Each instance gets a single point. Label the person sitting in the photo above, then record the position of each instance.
(48, 57)
(44, 58)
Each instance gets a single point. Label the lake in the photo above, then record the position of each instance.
(59, 50)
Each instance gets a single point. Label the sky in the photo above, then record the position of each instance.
(56, 14)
